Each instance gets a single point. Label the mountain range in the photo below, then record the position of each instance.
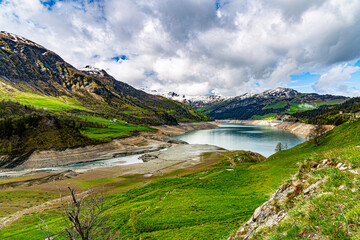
(268, 104)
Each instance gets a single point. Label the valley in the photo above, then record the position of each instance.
(167, 169)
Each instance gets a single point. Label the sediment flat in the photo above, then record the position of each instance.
(143, 142)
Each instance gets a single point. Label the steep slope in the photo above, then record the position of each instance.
(321, 201)
(269, 104)
(31, 74)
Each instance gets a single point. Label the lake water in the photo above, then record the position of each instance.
(260, 139)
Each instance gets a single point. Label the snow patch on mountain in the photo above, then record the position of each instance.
(194, 101)
(19, 39)
(93, 71)
(279, 92)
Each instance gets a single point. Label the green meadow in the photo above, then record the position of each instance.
(212, 202)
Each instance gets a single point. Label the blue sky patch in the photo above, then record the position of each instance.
(303, 82)
(120, 58)
(357, 63)
(48, 3)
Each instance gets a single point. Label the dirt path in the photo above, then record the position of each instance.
(45, 206)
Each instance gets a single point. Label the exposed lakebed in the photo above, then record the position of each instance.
(260, 139)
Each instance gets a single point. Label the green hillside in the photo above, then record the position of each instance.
(33, 75)
(334, 115)
(265, 106)
(38, 85)
(212, 202)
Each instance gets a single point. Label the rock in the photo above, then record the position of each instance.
(149, 157)
(325, 161)
(342, 187)
(230, 170)
(343, 168)
(353, 171)
(311, 188)
(339, 165)
(266, 214)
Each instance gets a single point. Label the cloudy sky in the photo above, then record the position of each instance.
(227, 47)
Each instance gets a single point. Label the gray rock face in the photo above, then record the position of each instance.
(267, 214)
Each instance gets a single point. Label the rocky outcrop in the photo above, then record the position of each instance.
(301, 129)
(302, 186)
(267, 214)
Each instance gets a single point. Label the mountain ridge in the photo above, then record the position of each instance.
(272, 103)
(29, 68)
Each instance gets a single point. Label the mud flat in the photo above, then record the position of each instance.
(300, 129)
(142, 143)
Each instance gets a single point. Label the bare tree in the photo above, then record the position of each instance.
(82, 213)
(45, 229)
(316, 133)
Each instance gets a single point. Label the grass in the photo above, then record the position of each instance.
(62, 103)
(302, 107)
(281, 104)
(334, 212)
(270, 116)
(208, 202)
(212, 202)
(113, 130)
(13, 200)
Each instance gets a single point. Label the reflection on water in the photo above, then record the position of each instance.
(243, 137)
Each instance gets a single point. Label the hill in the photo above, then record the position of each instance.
(268, 105)
(33, 75)
(334, 115)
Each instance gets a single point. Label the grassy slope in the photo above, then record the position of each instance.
(335, 212)
(113, 130)
(210, 203)
(63, 103)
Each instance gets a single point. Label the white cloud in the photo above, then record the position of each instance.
(334, 81)
(245, 46)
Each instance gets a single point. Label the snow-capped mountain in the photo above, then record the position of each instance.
(18, 39)
(270, 103)
(193, 101)
(201, 101)
(279, 92)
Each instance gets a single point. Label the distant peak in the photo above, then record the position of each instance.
(93, 70)
(279, 92)
(19, 39)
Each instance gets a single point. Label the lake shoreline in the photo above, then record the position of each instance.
(143, 142)
(300, 129)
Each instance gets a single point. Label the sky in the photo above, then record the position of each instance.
(202, 47)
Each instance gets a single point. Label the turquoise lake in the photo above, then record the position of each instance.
(260, 139)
